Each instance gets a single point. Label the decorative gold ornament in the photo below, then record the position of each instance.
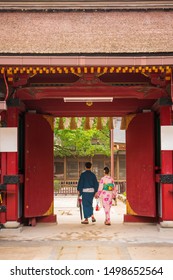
(87, 123)
(61, 123)
(125, 121)
(99, 123)
(110, 123)
(73, 124)
(89, 103)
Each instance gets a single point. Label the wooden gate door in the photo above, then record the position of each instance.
(38, 190)
(140, 166)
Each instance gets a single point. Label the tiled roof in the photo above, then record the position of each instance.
(86, 32)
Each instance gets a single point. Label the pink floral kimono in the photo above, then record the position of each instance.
(107, 191)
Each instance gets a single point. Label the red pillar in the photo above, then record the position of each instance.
(166, 169)
(3, 170)
(12, 170)
(112, 152)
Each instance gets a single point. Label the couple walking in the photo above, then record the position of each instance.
(88, 187)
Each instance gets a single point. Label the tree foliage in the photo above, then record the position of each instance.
(80, 142)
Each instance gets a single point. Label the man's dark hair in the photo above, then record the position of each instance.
(88, 165)
(106, 169)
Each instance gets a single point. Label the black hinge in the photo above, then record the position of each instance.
(3, 187)
(166, 178)
(11, 179)
(3, 208)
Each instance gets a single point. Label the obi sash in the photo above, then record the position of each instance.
(108, 187)
(88, 190)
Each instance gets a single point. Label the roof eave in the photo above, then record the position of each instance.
(82, 6)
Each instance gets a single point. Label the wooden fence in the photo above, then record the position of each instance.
(70, 187)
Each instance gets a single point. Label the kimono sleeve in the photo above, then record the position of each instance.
(96, 184)
(115, 190)
(80, 185)
(100, 187)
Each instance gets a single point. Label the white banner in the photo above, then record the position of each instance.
(8, 139)
(167, 138)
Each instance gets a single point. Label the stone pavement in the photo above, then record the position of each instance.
(70, 240)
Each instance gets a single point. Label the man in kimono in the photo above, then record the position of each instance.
(87, 188)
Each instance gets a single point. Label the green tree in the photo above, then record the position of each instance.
(80, 142)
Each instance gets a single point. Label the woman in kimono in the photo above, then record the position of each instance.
(107, 191)
(87, 188)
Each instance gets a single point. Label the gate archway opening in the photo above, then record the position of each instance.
(87, 136)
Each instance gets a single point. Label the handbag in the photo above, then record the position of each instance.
(97, 207)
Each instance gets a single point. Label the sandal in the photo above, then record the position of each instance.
(85, 222)
(107, 223)
(93, 220)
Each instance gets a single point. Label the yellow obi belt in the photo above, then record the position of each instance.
(108, 187)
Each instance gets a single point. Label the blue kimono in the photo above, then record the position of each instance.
(87, 186)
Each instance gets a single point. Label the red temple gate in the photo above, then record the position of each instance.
(27, 171)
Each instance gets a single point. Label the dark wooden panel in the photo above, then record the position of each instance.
(140, 157)
(38, 194)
